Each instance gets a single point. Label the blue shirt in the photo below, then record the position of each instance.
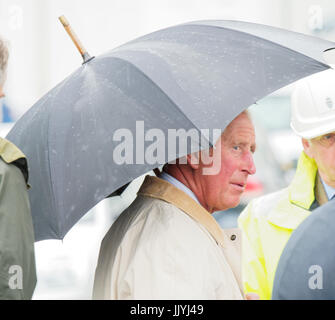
(165, 176)
(5, 111)
(330, 191)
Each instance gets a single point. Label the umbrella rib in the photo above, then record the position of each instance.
(56, 232)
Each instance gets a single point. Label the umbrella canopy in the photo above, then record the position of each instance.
(198, 75)
(306, 267)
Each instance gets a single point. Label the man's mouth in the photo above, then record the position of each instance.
(238, 186)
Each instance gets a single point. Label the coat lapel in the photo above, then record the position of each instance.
(228, 239)
(320, 192)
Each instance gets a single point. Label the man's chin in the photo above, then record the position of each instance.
(229, 206)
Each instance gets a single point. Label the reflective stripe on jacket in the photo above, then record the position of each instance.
(268, 222)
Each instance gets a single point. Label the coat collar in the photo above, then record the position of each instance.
(9, 152)
(306, 185)
(12, 154)
(305, 188)
(160, 189)
(320, 192)
(301, 189)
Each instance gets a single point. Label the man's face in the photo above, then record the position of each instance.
(233, 162)
(322, 150)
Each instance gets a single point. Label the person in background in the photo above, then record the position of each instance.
(268, 222)
(5, 114)
(17, 257)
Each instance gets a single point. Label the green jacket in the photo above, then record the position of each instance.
(17, 258)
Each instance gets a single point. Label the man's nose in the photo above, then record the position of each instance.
(248, 164)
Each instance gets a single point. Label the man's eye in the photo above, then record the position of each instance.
(327, 140)
(236, 147)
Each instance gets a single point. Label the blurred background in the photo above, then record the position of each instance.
(42, 55)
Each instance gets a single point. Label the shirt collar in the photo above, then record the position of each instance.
(330, 191)
(165, 176)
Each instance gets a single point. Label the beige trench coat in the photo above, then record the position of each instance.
(167, 246)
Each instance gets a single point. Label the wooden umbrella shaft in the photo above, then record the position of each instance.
(74, 38)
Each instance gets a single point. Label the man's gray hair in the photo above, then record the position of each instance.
(3, 61)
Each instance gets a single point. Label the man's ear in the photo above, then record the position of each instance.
(307, 147)
(193, 160)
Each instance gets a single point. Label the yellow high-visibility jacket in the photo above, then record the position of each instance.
(268, 222)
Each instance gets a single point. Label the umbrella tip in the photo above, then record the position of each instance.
(85, 55)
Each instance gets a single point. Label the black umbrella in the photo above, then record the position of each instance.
(198, 75)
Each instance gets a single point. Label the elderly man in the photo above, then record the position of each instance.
(268, 222)
(17, 259)
(167, 245)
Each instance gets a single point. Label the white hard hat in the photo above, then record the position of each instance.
(313, 105)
